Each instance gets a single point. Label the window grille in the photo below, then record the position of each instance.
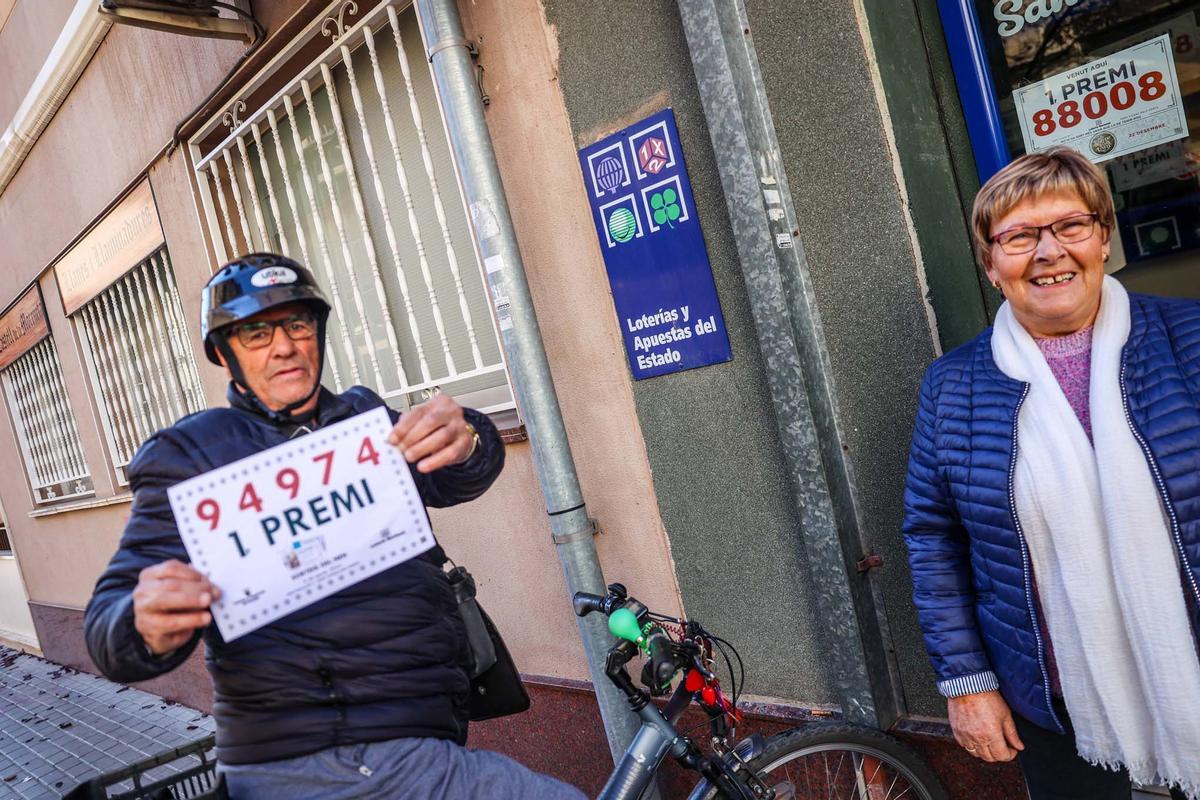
(139, 357)
(5, 544)
(348, 169)
(46, 431)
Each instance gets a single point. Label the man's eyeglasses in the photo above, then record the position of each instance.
(1068, 230)
(254, 335)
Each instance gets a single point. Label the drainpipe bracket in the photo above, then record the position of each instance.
(473, 51)
(452, 41)
(586, 532)
(870, 562)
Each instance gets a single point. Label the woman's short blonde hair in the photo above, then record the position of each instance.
(1031, 176)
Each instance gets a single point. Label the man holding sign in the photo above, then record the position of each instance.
(338, 655)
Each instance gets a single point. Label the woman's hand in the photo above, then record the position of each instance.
(983, 725)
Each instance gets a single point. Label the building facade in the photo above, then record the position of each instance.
(763, 499)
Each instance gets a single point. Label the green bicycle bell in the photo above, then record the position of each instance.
(623, 624)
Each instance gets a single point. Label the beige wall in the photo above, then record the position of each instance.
(504, 537)
(26, 37)
(119, 115)
(16, 623)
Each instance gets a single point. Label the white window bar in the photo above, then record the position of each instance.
(42, 412)
(120, 333)
(30, 407)
(271, 192)
(344, 143)
(153, 327)
(58, 415)
(388, 244)
(219, 191)
(252, 185)
(237, 196)
(321, 238)
(124, 429)
(137, 351)
(347, 259)
(168, 298)
(46, 432)
(430, 174)
(413, 224)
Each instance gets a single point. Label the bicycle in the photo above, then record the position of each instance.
(827, 760)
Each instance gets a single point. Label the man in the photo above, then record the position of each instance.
(362, 694)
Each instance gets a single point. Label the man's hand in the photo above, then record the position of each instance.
(170, 602)
(433, 434)
(983, 725)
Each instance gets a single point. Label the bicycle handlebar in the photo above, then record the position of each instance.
(585, 603)
(637, 629)
(663, 661)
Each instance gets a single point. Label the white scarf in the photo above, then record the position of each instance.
(1107, 571)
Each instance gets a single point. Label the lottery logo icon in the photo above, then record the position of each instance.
(1103, 143)
(652, 155)
(622, 225)
(272, 276)
(610, 173)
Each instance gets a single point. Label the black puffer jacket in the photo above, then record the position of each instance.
(379, 660)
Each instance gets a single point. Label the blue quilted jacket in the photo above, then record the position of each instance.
(972, 580)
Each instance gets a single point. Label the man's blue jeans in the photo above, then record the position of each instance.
(413, 769)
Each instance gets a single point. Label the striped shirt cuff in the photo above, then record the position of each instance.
(969, 684)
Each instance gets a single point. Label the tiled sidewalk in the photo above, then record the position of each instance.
(60, 727)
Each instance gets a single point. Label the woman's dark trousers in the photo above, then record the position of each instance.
(1054, 771)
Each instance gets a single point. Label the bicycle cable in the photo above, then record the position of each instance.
(739, 680)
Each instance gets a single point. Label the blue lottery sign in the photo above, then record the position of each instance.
(654, 252)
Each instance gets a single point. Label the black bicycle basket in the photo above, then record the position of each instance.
(182, 773)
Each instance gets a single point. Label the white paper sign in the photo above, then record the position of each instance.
(296, 523)
(1114, 105)
(1171, 161)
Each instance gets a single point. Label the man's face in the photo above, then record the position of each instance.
(284, 370)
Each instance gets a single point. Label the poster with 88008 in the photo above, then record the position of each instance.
(1117, 104)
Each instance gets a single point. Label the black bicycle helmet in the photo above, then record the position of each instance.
(250, 285)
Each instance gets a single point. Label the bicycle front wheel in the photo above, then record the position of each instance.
(842, 762)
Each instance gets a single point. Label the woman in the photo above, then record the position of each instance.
(1053, 504)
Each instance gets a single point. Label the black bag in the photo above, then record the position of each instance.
(496, 688)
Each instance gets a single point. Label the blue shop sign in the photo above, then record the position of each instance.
(654, 251)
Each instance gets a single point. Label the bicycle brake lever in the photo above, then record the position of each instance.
(705, 673)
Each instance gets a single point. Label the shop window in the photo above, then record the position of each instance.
(348, 169)
(1120, 82)
(139, 357)
(46, 430)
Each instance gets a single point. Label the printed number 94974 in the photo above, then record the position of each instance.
(287, 479)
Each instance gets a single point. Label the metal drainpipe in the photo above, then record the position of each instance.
(454, 76)
(799, 376)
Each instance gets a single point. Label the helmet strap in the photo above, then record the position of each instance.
(283, 416)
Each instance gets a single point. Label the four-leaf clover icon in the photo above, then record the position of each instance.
(666, 207)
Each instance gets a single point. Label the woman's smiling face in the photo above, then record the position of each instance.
(1054, 289)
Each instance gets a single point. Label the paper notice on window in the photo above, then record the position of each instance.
(291, 525)
(1118, 104)
(1172, 161)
